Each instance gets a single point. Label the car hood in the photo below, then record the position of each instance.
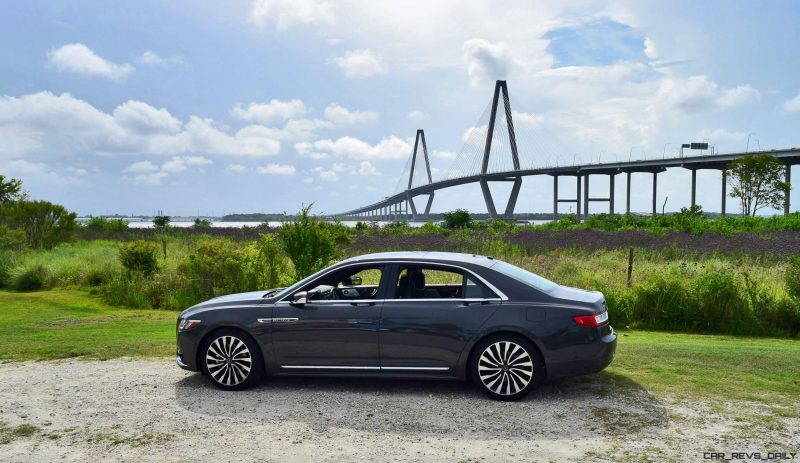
(230, 299)
(238, 297)
(575, 294)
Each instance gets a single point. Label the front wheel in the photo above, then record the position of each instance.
(506, 367)
(231, 360)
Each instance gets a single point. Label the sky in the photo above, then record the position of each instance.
(211, 108)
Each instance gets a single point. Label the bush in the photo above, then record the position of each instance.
(44, 224)
(214, 269)
(126, 290)
(7, 263)
(458, 218)
(201, 223)
(102, 224)
(31, 279)
(11, 238)
(792, 278)
(308, 243)
(270, 266)
(139, 257)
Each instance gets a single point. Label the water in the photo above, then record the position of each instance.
(220, 224)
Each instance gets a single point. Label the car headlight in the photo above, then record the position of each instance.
(186, 325)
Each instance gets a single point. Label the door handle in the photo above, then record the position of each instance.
(362, 304)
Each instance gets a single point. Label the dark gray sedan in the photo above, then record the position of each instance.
(403, 314)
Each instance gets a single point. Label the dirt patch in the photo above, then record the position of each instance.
(150, 410)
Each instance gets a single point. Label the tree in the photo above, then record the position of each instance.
(202, 223)
(459, 218)
(161, 221)
(308, 243)
(45, 224)
(10, 190)
(758, 181)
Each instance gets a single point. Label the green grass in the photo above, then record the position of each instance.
(721, 367)
(70, 323)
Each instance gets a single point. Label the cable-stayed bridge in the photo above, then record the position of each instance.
(495, 151)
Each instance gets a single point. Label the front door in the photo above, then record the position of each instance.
(429, 315)
(337, 328)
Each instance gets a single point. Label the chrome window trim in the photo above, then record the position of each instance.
(377, 301)
(319, 274)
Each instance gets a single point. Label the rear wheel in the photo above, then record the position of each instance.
(506, 367)
(231, 360)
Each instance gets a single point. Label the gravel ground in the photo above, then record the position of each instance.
(149, 410)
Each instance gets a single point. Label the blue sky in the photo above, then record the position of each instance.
(258, 106)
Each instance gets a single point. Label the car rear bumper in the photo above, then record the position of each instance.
(592, 357)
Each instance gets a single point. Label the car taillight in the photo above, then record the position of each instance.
(594, 320)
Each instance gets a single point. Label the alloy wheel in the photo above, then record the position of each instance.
(505, 368)
(228, 360)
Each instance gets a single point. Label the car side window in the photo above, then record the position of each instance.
(423, 282)
(474, 289)
(357, 282)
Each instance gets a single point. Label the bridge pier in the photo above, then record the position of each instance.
(724, 190)
(611, 192)
(586, 196)
(555, 197)
(694, 187)
(628, 195)
(578, 197)
(788, 179)
(655, 186)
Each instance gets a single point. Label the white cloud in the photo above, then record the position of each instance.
(237, 168)
(342, 116)
(142, 118)
(40, 172)
(527, 119)
(265, 113)
(720, 136)
(328, 176)
(78, 58)
(367, 169)
(153, 178)
(792, 105)
(486, 61)
(152, 58)
(359, 63)
(44, 123)
(738, 96)
(650, 49)
(388, 148)
(286, 13)
(699, 93)
(417, 115)
(308, 180)
(180, 164)
(277, 169)
(141, 166)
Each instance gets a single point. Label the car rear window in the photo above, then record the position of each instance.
(524, 276)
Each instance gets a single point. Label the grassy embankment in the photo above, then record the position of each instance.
(70, 323)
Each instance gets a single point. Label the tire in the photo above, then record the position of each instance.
(231, 360)
(506, 367)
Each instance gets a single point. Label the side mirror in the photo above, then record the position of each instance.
(300, 298)
(354, 280)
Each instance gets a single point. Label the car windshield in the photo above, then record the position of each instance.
(524, 276)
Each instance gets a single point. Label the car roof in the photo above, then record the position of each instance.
(432, 256)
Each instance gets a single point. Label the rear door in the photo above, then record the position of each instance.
(430, 313)
(338, 331)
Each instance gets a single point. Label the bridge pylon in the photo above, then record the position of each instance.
(500, 88)
(419, 142)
